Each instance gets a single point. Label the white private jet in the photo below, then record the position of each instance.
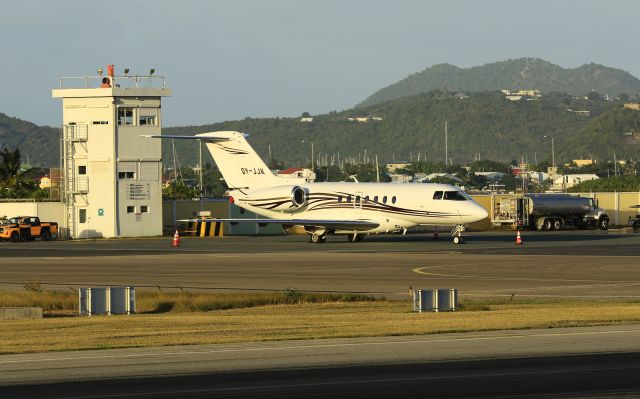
(351, 209)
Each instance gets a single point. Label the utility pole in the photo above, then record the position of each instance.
(446, 144)
(201, 170)
(308, 141)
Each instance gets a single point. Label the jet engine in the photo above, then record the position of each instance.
(281, 198)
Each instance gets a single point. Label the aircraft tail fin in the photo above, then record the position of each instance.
(238, 162)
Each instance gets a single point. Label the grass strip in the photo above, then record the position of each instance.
(303, 320)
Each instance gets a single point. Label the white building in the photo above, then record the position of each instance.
(563, 182)
(112, 175)
(306, 175)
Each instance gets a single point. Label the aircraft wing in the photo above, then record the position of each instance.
(329, 224)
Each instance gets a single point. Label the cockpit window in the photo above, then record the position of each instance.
(437, 195)
(455, 196)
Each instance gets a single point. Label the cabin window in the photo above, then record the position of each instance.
(375, 199)
(144, 209)
(348, 198)
(82, 169)
(384, 199)
(393, 199)
(131, 209)
(357, 199)
(339, 198)
(454, 196)
(100, 122)
(366, 199)
(437, 195)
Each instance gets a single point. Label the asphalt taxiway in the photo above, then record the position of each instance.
(576, 362)
(530, 363)
(588, 264)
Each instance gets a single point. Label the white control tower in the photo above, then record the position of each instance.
(112, 176)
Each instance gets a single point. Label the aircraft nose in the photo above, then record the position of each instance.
(482, 213)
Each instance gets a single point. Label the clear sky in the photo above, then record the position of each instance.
(229, 59)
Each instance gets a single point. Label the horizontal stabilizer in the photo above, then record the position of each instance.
(329, 224)
(211, 137)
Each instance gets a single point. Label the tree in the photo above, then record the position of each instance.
(10, 166)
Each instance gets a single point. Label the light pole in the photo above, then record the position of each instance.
(309, 141)
(553, 151)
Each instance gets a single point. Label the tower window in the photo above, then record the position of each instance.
(125, 116)
(82, 216)
(147, 120)
(126, 175)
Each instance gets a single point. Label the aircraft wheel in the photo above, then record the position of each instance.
(458, 240)
(547, 225)
(318, 239)
(557, 224)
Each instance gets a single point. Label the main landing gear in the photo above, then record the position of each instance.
(355, 237)
(318, 238)
(456, 233)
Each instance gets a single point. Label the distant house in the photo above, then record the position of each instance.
(561, 182)
(583, 162)
(399, 178)
(490, 176)
(393, 167)
(301, 173)
(306, 119)
(633, 106)
(362, 119)
(580, 112)
(444, 175)
(516, 95)
(45, 182)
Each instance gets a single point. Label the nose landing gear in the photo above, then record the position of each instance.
(456, 233)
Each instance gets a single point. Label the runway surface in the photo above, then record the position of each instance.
(583, 264)
(579, 362)
(531, 363)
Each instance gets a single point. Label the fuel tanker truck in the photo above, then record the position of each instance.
(556, 211)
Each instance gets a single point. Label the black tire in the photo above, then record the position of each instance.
(45, 235)
(603, 224)
(557, 224)
(15, 236)
(317, 239)
(458, 240)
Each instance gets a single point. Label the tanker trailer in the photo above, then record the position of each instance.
(555, 211)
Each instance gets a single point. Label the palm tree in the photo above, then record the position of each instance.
(10, 166)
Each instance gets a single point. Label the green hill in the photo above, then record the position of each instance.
(40, 144)
(523, 73)
(483, 123)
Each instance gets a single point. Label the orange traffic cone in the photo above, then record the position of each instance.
(518, 239)
(176, 240)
